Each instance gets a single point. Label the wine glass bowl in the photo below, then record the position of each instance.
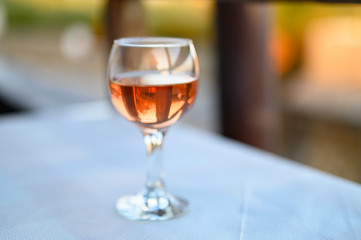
(153, 82)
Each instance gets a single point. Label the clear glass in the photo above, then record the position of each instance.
(152, 82)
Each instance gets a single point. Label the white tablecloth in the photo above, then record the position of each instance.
(60, 177)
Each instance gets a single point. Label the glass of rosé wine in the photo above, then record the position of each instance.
(153, 82)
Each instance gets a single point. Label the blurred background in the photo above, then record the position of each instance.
(284, 77)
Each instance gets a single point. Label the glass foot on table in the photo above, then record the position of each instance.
(148, 208)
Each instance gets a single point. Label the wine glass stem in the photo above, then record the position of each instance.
(154, 142)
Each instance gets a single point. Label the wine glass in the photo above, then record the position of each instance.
(152, 82)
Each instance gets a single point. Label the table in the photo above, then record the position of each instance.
(62, 170)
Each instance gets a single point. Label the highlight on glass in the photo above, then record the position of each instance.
(153, 82)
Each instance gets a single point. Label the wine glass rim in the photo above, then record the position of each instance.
(153, 42)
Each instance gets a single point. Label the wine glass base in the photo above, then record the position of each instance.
(143, 207)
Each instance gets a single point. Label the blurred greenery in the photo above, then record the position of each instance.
(187, 18)
(294, 18)
(50, 14)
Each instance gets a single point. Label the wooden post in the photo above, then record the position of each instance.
(124, 18)
(245, 112)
